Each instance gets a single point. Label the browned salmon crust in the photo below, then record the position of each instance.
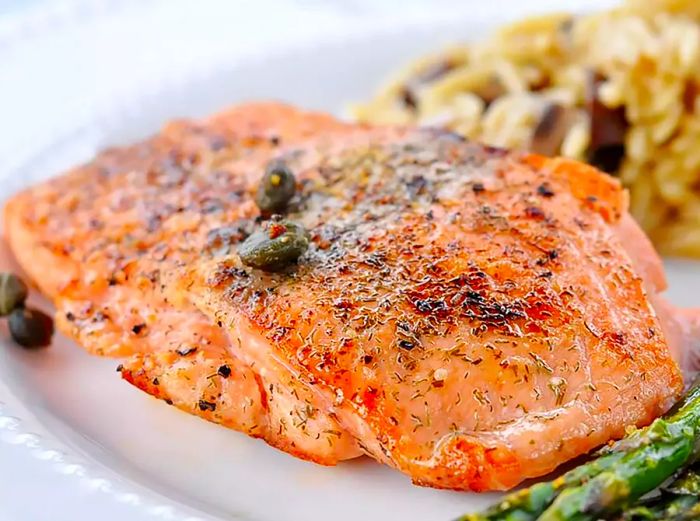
(466, 315)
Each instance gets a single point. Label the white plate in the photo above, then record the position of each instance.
(78, 438)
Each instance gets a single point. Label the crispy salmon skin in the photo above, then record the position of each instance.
(470, 316)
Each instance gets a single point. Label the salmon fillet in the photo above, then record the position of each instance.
(469, 316)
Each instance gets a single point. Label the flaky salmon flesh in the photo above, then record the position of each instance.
(469, 316)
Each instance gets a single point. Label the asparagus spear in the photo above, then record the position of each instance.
(687, 513)
(680, 500)
(662, 449)
(667, 507)
(529, 503)
(681, 424)
(687, 483)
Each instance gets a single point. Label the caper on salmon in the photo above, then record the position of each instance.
(276, 188)
(276, 246)
(30, 327)
(13, 293)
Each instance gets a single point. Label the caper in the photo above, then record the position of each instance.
(276, 188)
(30, 327)
(13, 293)
(274, 247)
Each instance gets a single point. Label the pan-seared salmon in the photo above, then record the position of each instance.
(469, 316)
